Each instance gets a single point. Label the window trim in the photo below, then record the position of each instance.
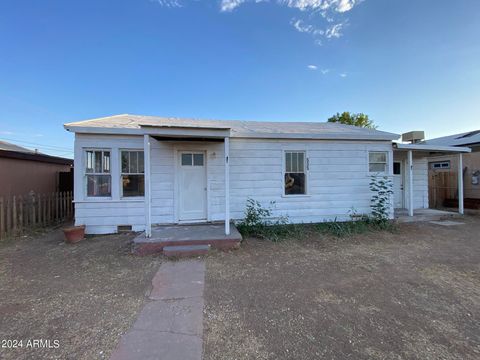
(433, 163)
(121, 173)
(306, 167)
(85, 174)
(387, 162)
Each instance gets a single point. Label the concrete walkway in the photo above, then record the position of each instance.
(171, 325)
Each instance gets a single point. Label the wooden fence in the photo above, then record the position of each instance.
(442, 185)
(21, 213)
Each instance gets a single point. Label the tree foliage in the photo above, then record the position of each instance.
(347, 118)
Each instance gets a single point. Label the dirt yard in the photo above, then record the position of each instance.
(84, 296)
(413, 294)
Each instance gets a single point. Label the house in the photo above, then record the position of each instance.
(24, 170)
(134, 171)
(449, 164)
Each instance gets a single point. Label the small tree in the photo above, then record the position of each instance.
(381, 202)
(347, 118)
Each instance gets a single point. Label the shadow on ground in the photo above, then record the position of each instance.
(412, 294)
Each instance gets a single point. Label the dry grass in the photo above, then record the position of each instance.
(84, 295)
(412, 294)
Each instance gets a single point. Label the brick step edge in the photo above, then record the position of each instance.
(185, 250)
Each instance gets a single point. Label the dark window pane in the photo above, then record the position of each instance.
(198, 159)
(98, 161)
(288, 160)
(294, 184)
(397, 168)
(187, 159)
(133, 162)
(133, 185)
(98, 185)
(377, 167)
(124, 161)
(141, 166)
(301, 162)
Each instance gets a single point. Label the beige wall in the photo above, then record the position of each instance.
(471, 162)
(18, 177)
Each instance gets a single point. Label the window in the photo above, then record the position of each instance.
(397, 168)
(97, 173)
(189, 159)
(133, 178)
(377, 162)
(295, 174)
(440, 164)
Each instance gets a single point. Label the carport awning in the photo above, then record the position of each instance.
(431, 148)
(426, 150)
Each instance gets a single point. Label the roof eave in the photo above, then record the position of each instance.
(432, 148)
(153, 130)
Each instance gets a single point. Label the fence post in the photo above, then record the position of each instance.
(32, 208)
(20, 213)
(2, 218)
(14, 214)
(49, 208)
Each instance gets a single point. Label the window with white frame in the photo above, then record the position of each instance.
(295, 176)
(97, 173)
(133, 178)
(440, 164)
(378, 161)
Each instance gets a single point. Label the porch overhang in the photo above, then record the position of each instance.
(431, 150)
(201, 132)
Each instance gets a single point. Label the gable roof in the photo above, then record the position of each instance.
(12, 147)
(137, 124)
(462, 139)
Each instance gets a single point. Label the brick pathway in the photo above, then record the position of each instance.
(171, 325)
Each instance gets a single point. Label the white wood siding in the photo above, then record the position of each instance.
(103, 215)
(420, 179)
(337, 180)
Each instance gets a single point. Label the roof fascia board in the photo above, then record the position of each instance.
(421, 147)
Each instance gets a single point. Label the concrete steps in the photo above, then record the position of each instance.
(193, 237)
(185, 250)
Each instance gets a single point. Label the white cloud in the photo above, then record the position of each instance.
(343, 75)
(229, 5)
(345, 5)
(312, 67)
(302, 27)
(168, 3)
(327, 11)
(6, 133)
(334, 31)
(325, 71)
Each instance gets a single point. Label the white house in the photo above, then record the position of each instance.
(134, 171)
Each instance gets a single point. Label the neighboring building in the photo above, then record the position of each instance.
(471, 162)
(23, 170)
(135, 171)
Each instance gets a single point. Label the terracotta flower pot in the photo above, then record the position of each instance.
(74, 234)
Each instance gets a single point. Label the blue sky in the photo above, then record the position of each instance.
(410, 65)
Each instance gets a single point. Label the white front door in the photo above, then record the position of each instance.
(192, 186)
(398, 185)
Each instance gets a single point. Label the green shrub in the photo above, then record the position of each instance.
(258, 223)
(381, 201)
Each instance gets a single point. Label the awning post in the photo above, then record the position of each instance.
(460, 184)
(410, 183)
(227, 185)
(148, 208)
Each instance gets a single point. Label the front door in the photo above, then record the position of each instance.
(398, 185)
(192, 186)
